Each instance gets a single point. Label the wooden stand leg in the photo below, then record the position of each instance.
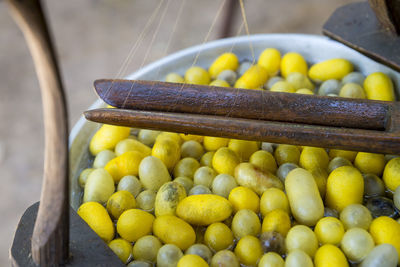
(51, 232)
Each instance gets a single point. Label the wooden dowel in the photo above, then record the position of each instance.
(266, 131)
(249, 104)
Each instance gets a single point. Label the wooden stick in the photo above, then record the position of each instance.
(267, 131)
(51, 232)
(248, 104)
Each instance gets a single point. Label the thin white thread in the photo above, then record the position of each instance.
(247, 29)
(204, 41)
(134, 47)
(149, 48)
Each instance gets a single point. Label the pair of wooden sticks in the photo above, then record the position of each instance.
(330, 122)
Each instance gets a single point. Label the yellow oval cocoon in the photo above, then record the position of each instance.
(191, 260)
(330, 256)
(244, 198)
(226, 61)
(271, 259)
(391, 174)
(225, 161)
(293, 62)
(303, 238)
(219, 83)
(370, 163)
(283, 87)
(248, 250)
(253, 78)
(264, 160)
(379, 86)
(107, 137)
(99, 186)
(329, 230)
(250, 176)
(345, 186)
(313, 157)
(96, 216)
(386, 230)
(243, 148)
(335, 68)
(273, 198)
(172, 230)
(171, 136)
(122, 248)
(168, 197)
(174, 78)
(242, 84)
(218, 236)
(119, 202)
(134, 224)
(168, 151)
(126, 164)
(197, 75)
(212, 143)
(278, 221)
(270, 59)
(153, 173)
(132, 145)
(204, 209)
(304, 198)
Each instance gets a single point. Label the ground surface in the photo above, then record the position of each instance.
(93, 37)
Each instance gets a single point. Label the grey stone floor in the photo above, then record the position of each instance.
(93, 37)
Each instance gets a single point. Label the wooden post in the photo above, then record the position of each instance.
(51, 232)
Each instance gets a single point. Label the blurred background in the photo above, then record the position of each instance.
(93, 38)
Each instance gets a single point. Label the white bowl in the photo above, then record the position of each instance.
(314, 48)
